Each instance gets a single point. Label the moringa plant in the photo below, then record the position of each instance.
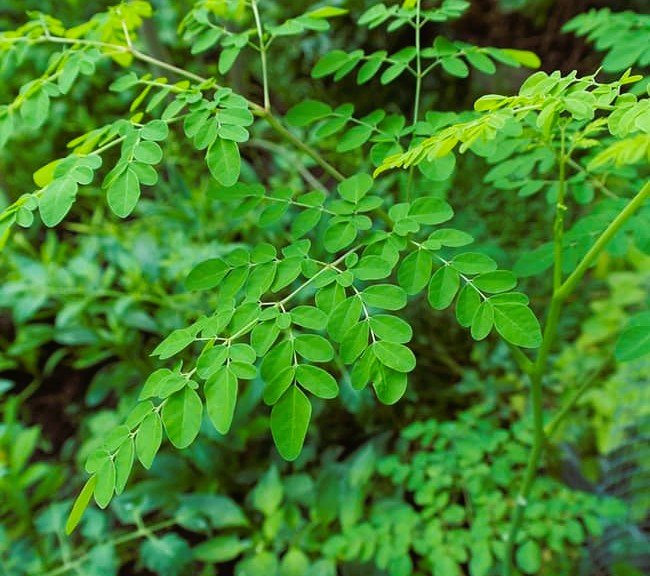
(314, 295)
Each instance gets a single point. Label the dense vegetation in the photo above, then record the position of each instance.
(333, 289)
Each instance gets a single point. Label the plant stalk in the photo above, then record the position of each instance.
(536, 376)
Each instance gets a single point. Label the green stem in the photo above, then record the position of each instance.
(140, 533)
(560, 209)
(537, 373)
(418, 65)
(300, 145)
(552, 427)
(260, 35)
(633, 205)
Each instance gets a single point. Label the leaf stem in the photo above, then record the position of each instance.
(260, 35)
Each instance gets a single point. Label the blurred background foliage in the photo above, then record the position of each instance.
(418, 488)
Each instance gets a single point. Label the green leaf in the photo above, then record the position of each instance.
(306, 112)
(148, 439)
(268, 494)
(483, 320)
(289, 422)
(443, 287)
(105, 485)
(294, 563)
(277, 384)
(148, 152)
(224, 161)
(455, 66)
(517, 324)
(174, 343)
(354, 138)
(319, 382)
(220, 549)
(155, 130)
(384, 296)
(329, 63)
(633, 343)
(211, 360)
(80, 504)
(473, 263)
(523, 57)
(123, 193)
(207, 274)
(529, 557)
(56, 200)
(221, 398)
(395, 356)
(326, 12)
(354, 342)
(468, 302)
(314, 348)
(123, 464)
(429, 210)
(181, 416)
(389, 385)
(355, 188)
(415, 271)
(390, 329)
(339, 236)
(309, 317)
(495, 282)
(344, 316)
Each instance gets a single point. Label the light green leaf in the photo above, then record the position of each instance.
(384, 296)
(221, 398)
(389, 385)
(391, 328)
(289, 422)
(314, 348)
(306, 112)
(123, 464)
(354, 342)
(483, 320)
(443, 287)
(207, 274)
(356, 187)
(344, 316)
(123, 193)
(319, 382)
(105, 485)
(496, 281)
(224, 161)
(278, 383)
(148, 439)
(395, 356)
(415, 271)
(80, 504)
(466, 305)
(181, 416)
(473, 263)
(517, 324)
(174, 343)
(529, 557)
(56, 200)
(633, 343)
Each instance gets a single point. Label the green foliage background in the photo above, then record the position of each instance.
(423, 485)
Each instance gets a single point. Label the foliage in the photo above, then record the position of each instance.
(294, 264)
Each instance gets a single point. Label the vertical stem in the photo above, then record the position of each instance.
(536, 373)
(418, 64)
(560, 209)
(536, 398)
(560, 294)
(260, 34)
(418, 86)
